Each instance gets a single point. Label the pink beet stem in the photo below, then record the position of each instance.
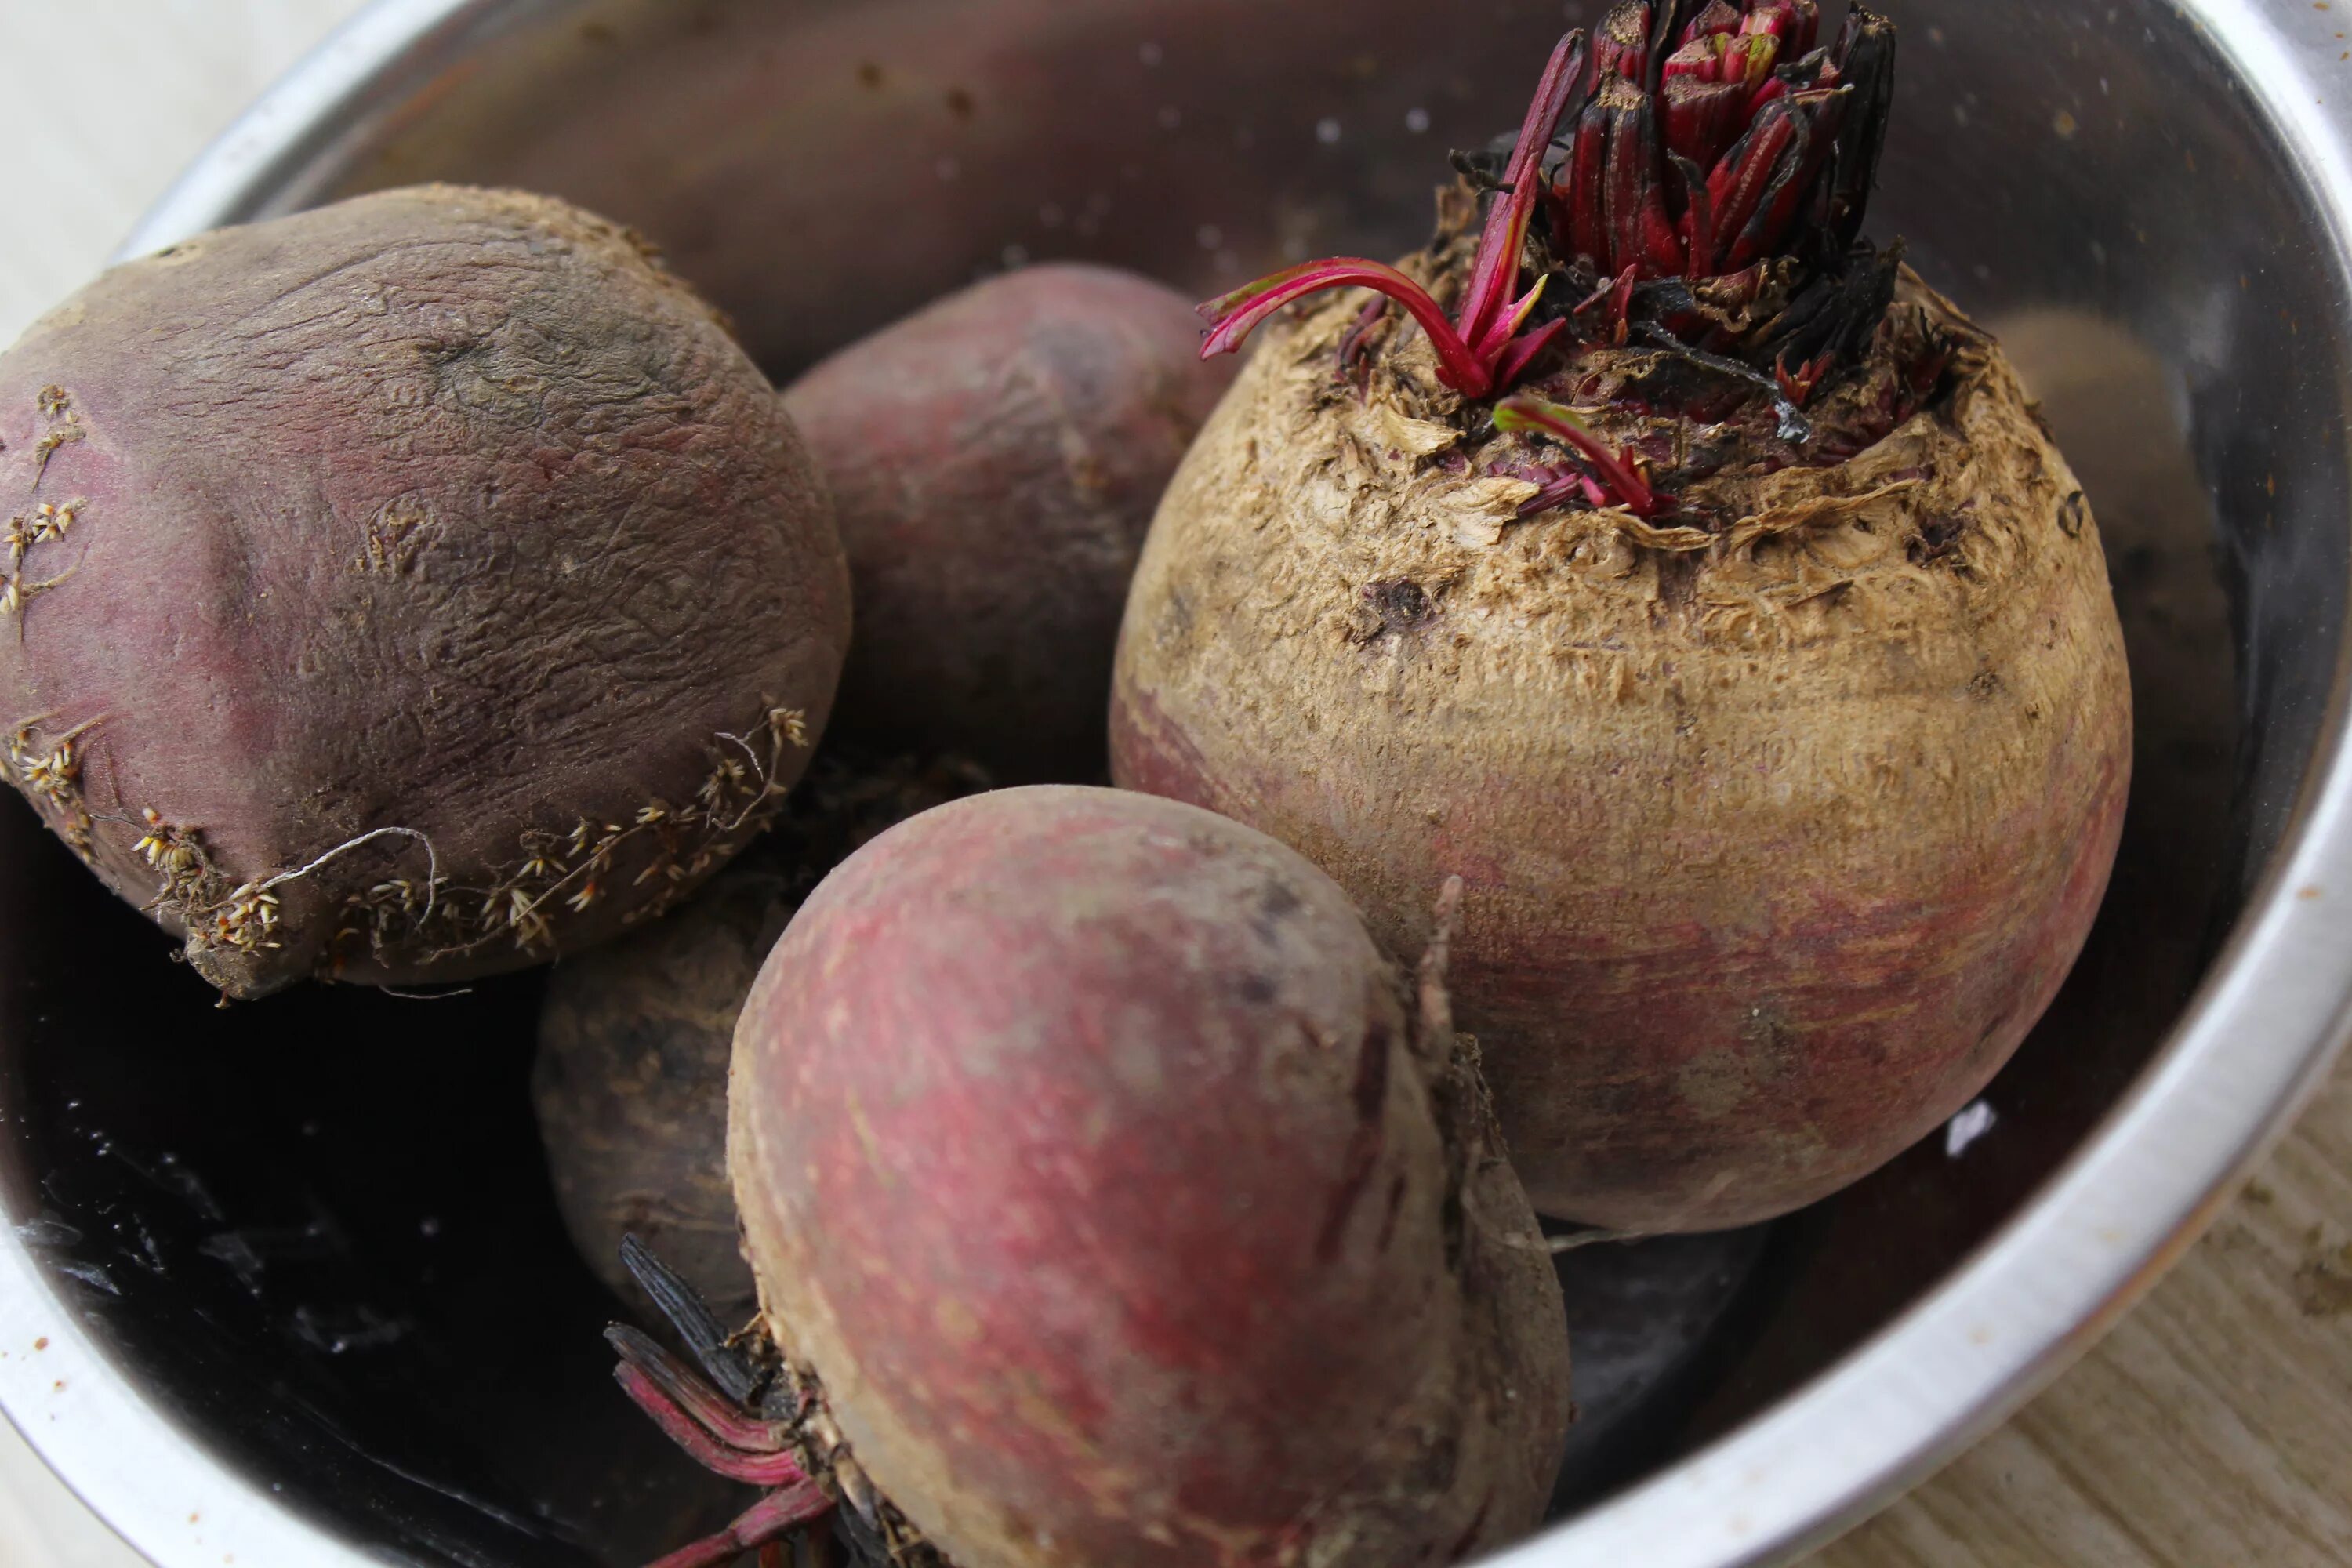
(1498, 337)
(1698, 217)
(1607, 288)
(1716, 19)
(1559, 486)
(1618, 293)
(1750, 58)
(1352, 347)
(1621, 42)
(1796, 22)
(704, 1404)
(1521, 414)
(1738, 183)
(1769, 16)
(772, 1470)
(1819, 115)
(1700, 61)
(1587, 179)
(1522, 351)
(1807, 29)
(772, 1518)
(1496, 270)
(1640, 233)
(1234, 317)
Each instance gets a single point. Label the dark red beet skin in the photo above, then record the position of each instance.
(995, 460)
(1094, 1172)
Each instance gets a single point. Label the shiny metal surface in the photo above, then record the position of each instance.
(2153, 200)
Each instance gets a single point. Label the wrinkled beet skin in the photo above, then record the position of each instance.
(1774, 852)
(439, 509)
(1088, 1158)
(1644, 1067)
(994, 461)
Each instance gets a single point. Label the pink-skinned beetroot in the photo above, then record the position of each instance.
(405, 590)
(1685, 574)
(995, 459)
(1113, 1201)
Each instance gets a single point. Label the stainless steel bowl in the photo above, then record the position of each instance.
(285, 1286)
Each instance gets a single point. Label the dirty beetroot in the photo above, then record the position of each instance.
(995, 459)
(1163, 1220)
(405, 590)
(1671, 564)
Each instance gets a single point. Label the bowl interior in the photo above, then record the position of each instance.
(318, 1227)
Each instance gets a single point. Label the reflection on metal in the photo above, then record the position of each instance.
(431, 1388)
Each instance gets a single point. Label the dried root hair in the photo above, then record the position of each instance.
(558, 875)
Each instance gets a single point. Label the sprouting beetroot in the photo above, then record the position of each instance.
(404, 590)
(1112, 1201)
(1699, 585)
(630, 1081)
(995, 459)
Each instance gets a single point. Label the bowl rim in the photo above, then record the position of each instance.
(2258, 1040)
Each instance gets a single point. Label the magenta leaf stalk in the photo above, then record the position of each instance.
(1523, 351)
(1618, 473)
(1495, 341)
(706, 1406)
(1468, 355)
(772, 1469)
(1233, 319)
(772, 1518)
(1496, 270)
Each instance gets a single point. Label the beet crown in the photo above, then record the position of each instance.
(1702, 176)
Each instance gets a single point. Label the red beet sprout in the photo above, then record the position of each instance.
(1234, 317)
(717, 1426)
(674, 1383)
(1702, 149)
(1620, 476)
(1471, 357)
(1496, 270)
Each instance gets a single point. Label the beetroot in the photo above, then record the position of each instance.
(405, 590)
(630, 1082)
(1111, 1202)
(995, 460)
(1752, 658)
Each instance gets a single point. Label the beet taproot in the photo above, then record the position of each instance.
(1113, 1201)
(1753, 658)
(407, 589)
(995, 460)
(634, 1036)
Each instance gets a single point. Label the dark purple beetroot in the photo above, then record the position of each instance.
(405, 590)
(995, 460)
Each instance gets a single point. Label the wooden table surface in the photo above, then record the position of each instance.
(2212, 1429)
